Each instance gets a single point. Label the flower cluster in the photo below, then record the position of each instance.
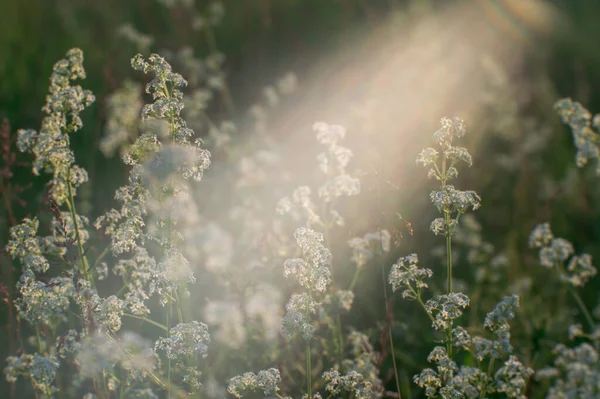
(297, 318)
(450, 202)
(185, 339)
(333, 163)
(266, 380)
(406, 274)
(582, 124)
(50, 146)
(449, 379)
(554, 252)
(352, 381)
(575, 372)
(312, 270)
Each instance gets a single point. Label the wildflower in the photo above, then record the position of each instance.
(266, 381)
(25, 246)
(41, 370)
(581, 123)
(313, 270)
(406, 274)
(352, 381)
(185, 339)
(50, 146)
(540, 236)
(511, 379)
(296, 319)
(446, 308)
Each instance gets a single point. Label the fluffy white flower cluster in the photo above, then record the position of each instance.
(50, 146)
(450, 202)
(266, 381)
(582, 124)
(406, 274)
(554, 252)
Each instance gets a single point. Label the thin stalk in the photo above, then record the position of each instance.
(340, 338)
(308, 370)
(168, 358)
(39, 340)
(337, 330)
(385, 293)
(449, 259)
(387, 312)
(578, 300)
(212, 45)
(178, 306)
(449, 282)
(308, 362)
(147, 320)
(425, 308)
(102, 255)
(71, 206)
(489, 375)
(582, 307)
(354, 279)
(153, 376)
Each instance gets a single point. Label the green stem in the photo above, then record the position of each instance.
(178, 306)
(449, 282)
(153, 376)
(582, 307)
(389, 323)
(168, 358)
(102, 255)
(354, 279)
(71, 206)
(489, 376)
(147, 320)
(424, 307)
(578, 300)
(308, 362)
(449, 258)
(227, 97)
(39, 340)
(308, 370)
(340, 339)
(384, 281)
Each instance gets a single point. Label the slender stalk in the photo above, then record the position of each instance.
(39, 340)
(168, 358)
(308, 362)
(389, 323)
(425, 308)
(99, 259)
(385, 293)
(71, 205)
(489, 376)
(153, 376)
(147, 320)
(354, 279)
(340, 338)
(308, 370)
(337, 328)
(582, 307)
(449, 258)
(449, 282)
(227, 97)
(578, 300)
